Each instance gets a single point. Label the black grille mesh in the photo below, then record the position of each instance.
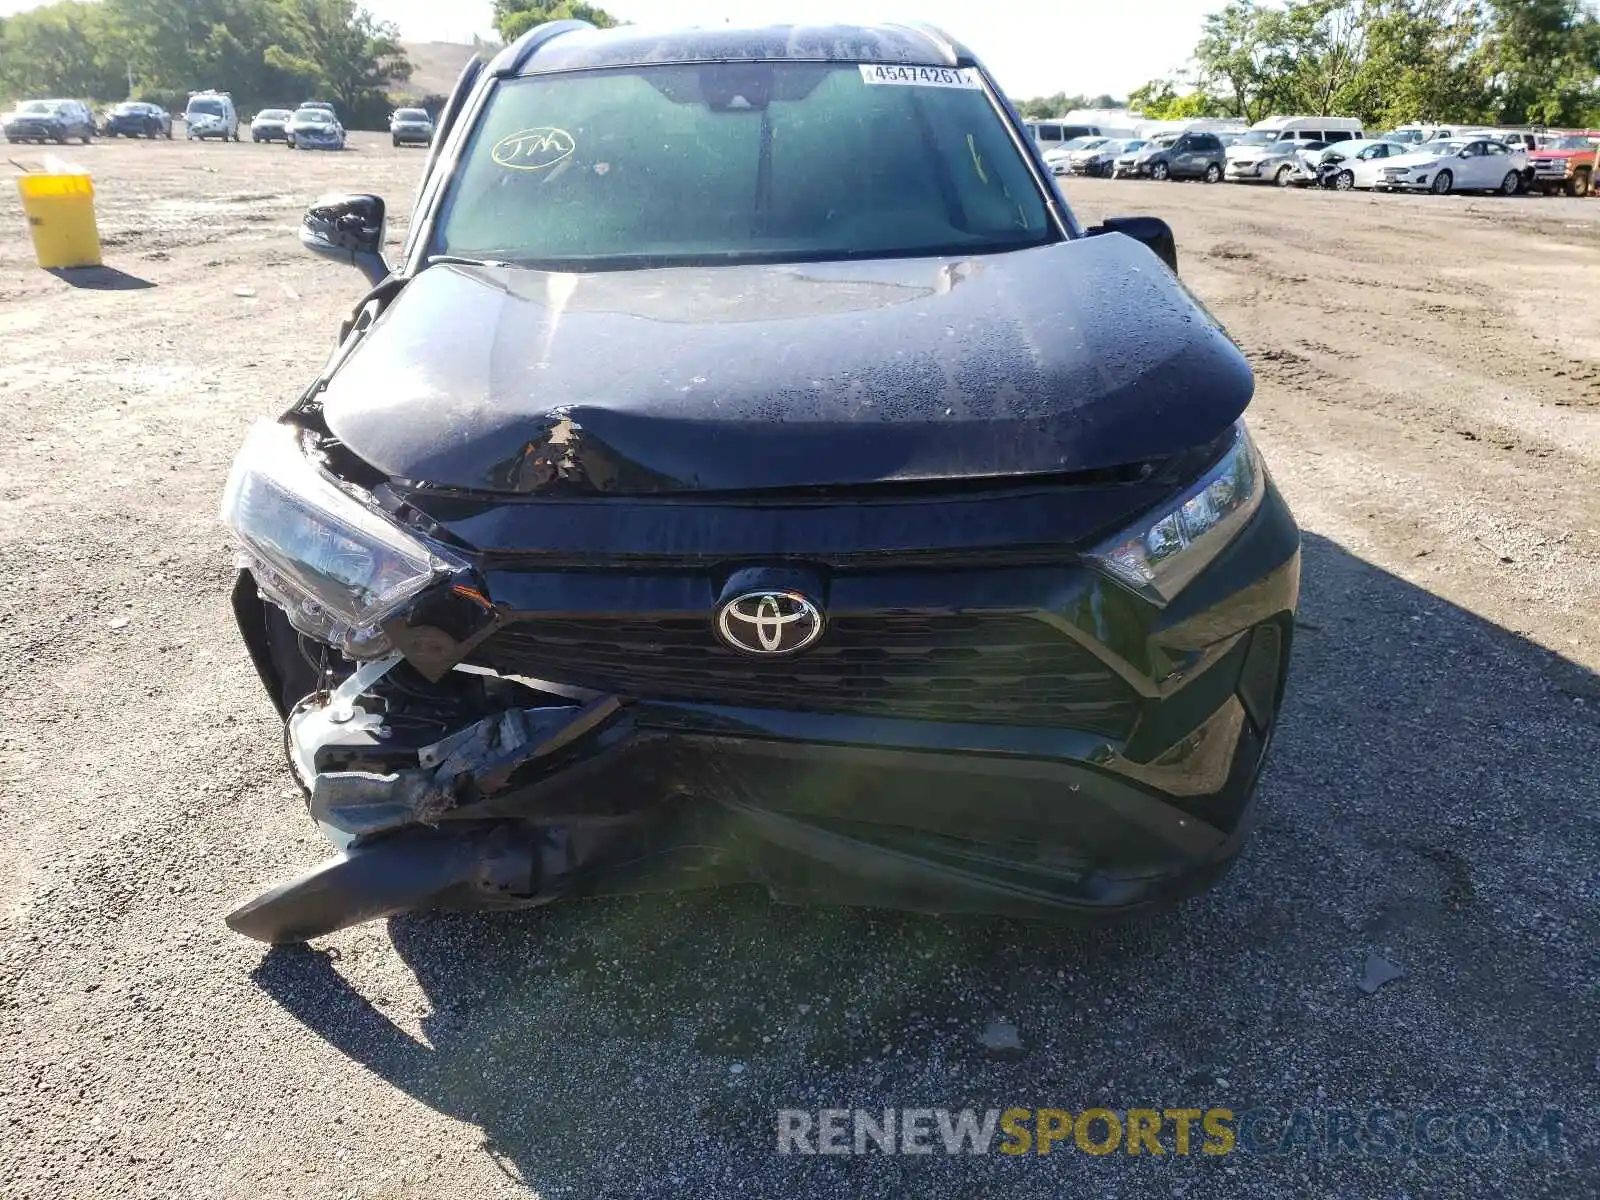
(995, 669)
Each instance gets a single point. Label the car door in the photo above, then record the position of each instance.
(1497, 163)
(1180, 160)
(1471, 167)
(1368, 163)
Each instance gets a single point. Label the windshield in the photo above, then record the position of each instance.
(1442, 148)
(313, 116)
(1164, 142)
(1409, 136)
(1258, 137)
(410, 114)
(1569, 143)
(273, 114)
(727, 162)
(1079, 143)
(38, 107)
(208, 108)
(126, 109)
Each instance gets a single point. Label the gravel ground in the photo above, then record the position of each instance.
(1429, 401)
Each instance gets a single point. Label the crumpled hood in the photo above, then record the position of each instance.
(1072, 356)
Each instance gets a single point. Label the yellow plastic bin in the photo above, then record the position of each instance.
(60, 211)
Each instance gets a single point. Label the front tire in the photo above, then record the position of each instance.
(1213, 173)
(1344, 181)
(1578, 185)
(1510, 184)
(1284, 176)
(1442, 183)
(1160, 172)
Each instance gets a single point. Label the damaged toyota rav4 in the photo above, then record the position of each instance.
(749, 470)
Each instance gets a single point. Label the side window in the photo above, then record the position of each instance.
(1340, 135)
(1494, 147)
(1210, 143)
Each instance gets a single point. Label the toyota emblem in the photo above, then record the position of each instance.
(769, 622)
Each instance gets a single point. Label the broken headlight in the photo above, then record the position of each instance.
(323, 551)
(1170, 546)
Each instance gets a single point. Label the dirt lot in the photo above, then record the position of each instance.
(1429, 401)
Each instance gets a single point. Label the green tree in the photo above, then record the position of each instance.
(513, 18)
(1542, 60)
(1421, 64)
(341, 51)
(63, 49)
(1160, 100)
(1240, 58)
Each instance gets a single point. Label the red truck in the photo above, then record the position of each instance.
(1564, 162)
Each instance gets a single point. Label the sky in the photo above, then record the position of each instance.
(1034, 47)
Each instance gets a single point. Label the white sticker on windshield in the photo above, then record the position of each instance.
(907, 76)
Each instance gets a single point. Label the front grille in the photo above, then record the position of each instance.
(991, 669)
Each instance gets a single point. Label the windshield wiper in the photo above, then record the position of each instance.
(462, 260)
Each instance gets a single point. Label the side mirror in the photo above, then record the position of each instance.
(1147, 231)
(348, 229)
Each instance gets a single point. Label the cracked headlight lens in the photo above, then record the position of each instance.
(1170, 546)
(324, 552)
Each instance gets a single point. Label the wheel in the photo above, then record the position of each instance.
(86, 137)
(1510, 184)
(1441, 183)
(1578, 185)
(397, 143)
(1159, 171)
(236, 135)
(169, 133)
(1213, 173)
(1344, 181)
(1284, 176)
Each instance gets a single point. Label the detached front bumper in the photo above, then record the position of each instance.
(533, 795)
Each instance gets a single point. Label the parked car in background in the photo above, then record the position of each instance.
(211, 115)
(1052, 135)
(1270, 152)
(1057, 160)
(315, 129)
(1409, 135)
(1358, 162)
(1441, 167)
(1566, 163)
(322, 104)
(49, 121)
(1184, 156)
(411, 127)
(1100, 160)
(271, 125)
(135, 118)
(1079, 157)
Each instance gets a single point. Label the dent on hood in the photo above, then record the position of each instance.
(1080, 355)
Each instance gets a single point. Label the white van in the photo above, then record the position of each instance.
(211, 115)
(1049, 135)
(1311, 129)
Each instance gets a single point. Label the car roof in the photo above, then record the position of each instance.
(578, 46)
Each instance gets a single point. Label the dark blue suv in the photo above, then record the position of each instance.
(750, 469)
